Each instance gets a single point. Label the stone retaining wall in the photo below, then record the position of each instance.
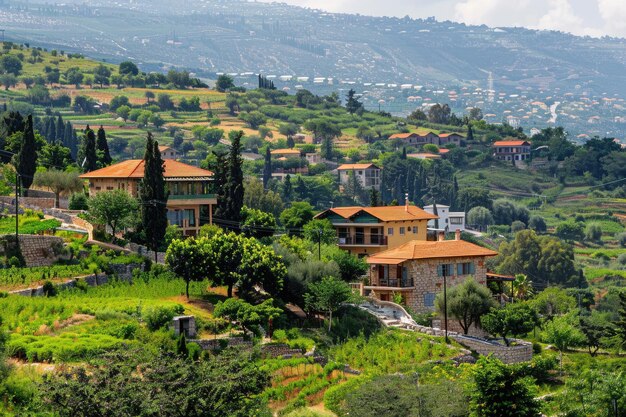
(216, 344)
(521, 352)
(280, 349)
(40, 250)
(144, 251)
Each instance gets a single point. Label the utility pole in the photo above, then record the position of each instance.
(17, 208)
(445, 301)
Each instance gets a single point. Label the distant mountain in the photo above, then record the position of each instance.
(208, 37)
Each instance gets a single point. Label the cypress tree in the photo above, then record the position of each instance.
(301, 188)
(267, 168)
(220, 170)
(153, 196)
(68, 138)
(89, 151)
(470, 133)
(290, 142)
(181, 346)
(74, 144)
(327, 148)
(403, 152)
(234, 180)
(287, 188)
(374, 199)
(60, 129)
(27, 156)
(103, 147)
(51, 130)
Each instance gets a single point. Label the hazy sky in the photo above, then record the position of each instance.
(581, 17)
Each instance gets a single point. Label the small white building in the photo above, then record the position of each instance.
(368, 175)
(449, 221)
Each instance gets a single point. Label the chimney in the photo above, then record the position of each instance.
(442, 236)
(406, 202)
(457, 235)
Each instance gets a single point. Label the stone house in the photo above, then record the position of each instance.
(511, 150)
(364, 231)
(167, 152)
(416, 270)
(191, 196)
(368, 175)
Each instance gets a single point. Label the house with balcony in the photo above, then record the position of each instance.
(368, 175)
(416, 270)
(511, 150)
(167, 152)
(449, 221)
(364, 231)
(191, 196)
(416, 139)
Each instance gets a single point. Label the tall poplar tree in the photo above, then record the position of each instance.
(153, 196)
(90, 154)
(51, 130)
(103, 147)
(27, 156)
(267, 168)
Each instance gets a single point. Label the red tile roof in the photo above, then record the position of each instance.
(133, 168)
(385, 214)
(445, 135)
(402, 135)
(419, 249)
(346, 167)
(511, 143)
(285, 152)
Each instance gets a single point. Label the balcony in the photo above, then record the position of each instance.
(191, 196)
(362, 240)
(393, 284)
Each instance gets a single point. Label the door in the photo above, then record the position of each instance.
(360, 236)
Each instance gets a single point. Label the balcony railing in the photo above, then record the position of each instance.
(191, 196)
(374, 240)
(394, 282)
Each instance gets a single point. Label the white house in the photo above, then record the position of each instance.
(368, 175)
(449, 221)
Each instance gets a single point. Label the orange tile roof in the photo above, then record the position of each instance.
(511, 143)
(424, 155)
(402, 135)
(164, 148)
(285, 152)
(345, 167)
(133, 168)
(444, 151)
(385, 214)
(419, 249)
(445, 135)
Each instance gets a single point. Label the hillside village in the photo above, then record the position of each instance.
(319, 253)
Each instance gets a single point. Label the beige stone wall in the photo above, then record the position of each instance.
(426, 280)
(40, 250)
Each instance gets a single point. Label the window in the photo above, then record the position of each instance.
(190, 215)
(98, 188)
(466, 268)
(360, 173)
(456, 220)
(429, 299)
(402, 230)
(109, 188)
(390, 231)
(414, 230)
(445, 269)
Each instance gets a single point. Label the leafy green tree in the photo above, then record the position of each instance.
(593, 233)
(128, 68)
(138, 383)
(101, 75)
(593, 393)
(563, 334)
(512, 320)
(410, 399)
(327, 296)
(246, 315)
(153, 196)
(439, 114)
(189, 260)
(59, 182)
(570, 230)
(257, 223)
(480, 216)
(295, 217)
(553, 301)
(123, 112)
(116, 209)
(620, 323)
(8, 81)
(26, 158)
(164, 101)
(353, 105)
(74, 76)
(499, 389)
(256, 197)
(102, 147)
(467, 302)
(10, 64)
(522, 287)
(55, 155)
(117, 102)
(320, 231)
(538, 224)
(224, 83)
(595, 328)
(351, 267)
(254, 119)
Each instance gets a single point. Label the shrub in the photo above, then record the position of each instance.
(517, 225)
(621, 238)
(78, 201)
(593, 232)
(622, 259)
(159, 317)
(49, 289)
